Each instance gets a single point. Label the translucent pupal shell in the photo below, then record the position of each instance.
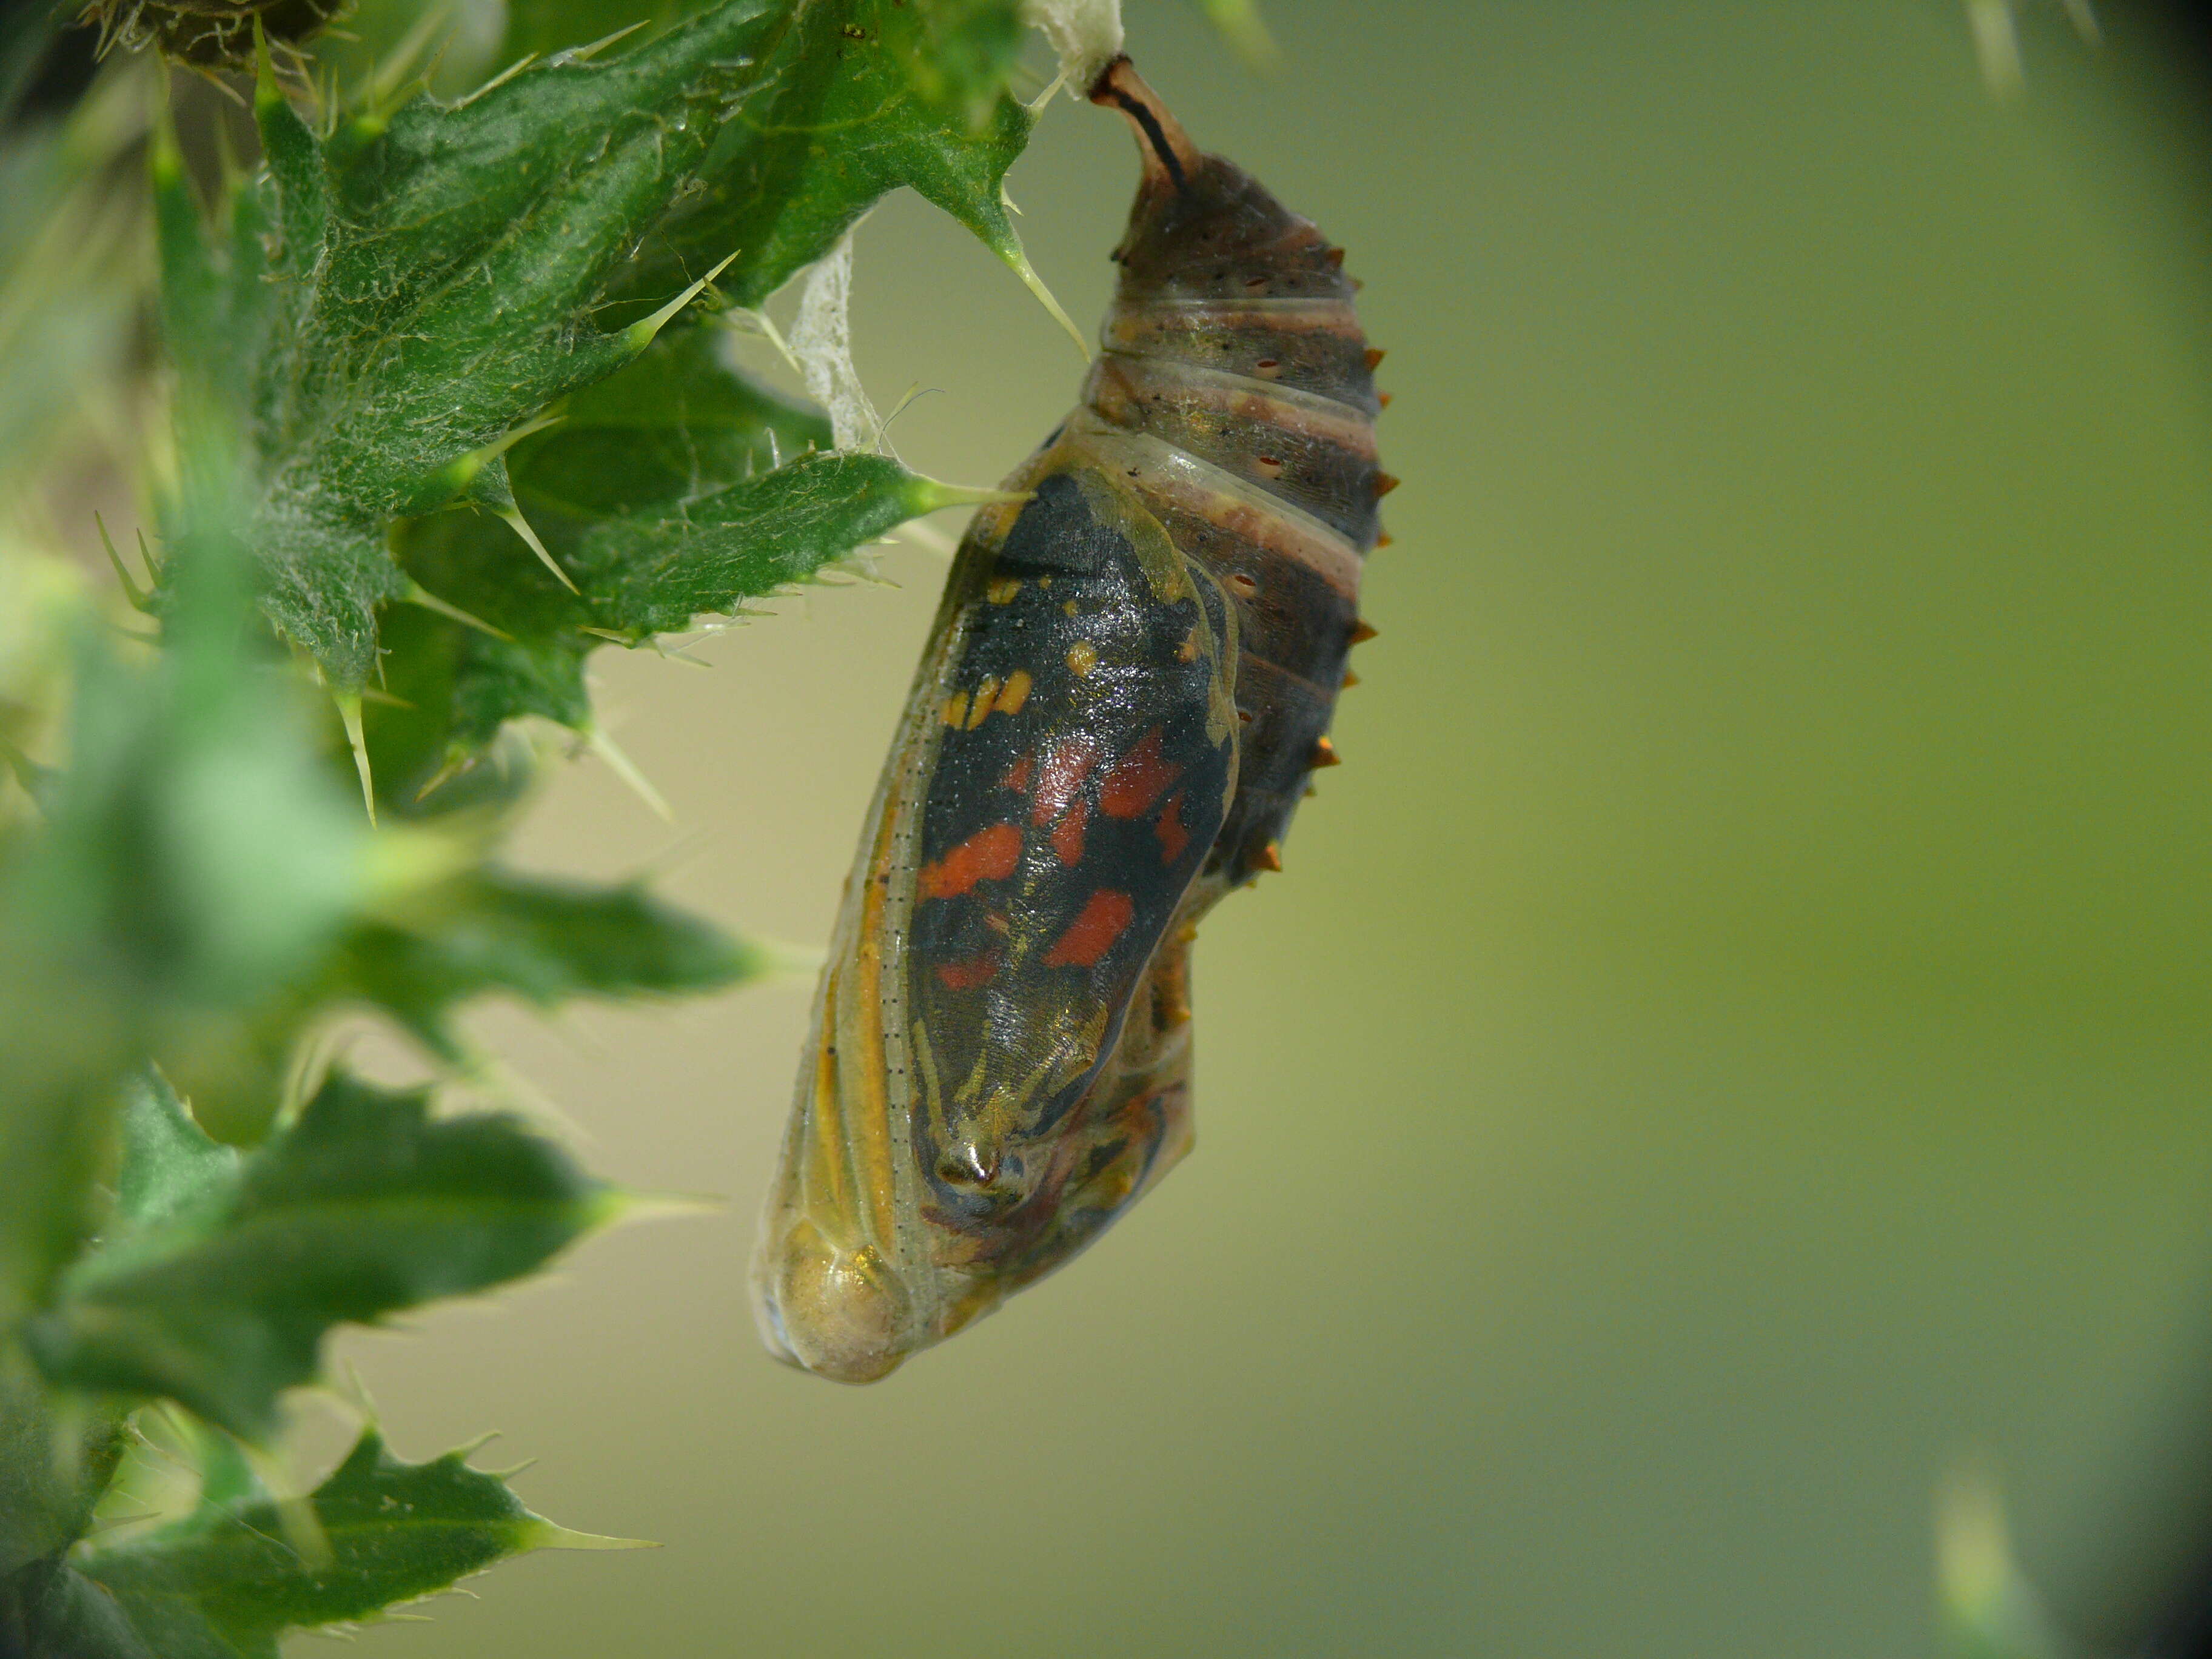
(1127, 684)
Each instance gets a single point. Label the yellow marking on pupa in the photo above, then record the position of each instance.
(825, 1169)
(985, 694)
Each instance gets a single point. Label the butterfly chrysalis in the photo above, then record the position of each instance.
(1128, 681)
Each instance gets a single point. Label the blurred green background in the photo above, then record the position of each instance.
(1734, 1041)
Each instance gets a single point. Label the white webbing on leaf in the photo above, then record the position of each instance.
(821, 341)
(1086, 33)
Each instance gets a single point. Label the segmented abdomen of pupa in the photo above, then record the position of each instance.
(1236, 393)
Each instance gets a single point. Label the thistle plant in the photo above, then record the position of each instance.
(443, 403)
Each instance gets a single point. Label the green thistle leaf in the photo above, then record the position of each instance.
(224, 1583)
(418, 288)
(169, 1164)
(364, 1206)
(197, 856)
(676, 488)
(543, 941)
(49, 1610)
(679, 421)
(52, 1472)
(437, 276)
(958, 54)
(649, 575)
(838, 124)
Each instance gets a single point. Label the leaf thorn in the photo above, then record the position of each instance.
(389, 75)
(584, 54)
(469, 1449)
(623, 767)
(547, 1536)
(456, 761)
(775, 336)
(521, 527)
(640, 334)
(1019, 261)
(1036, 106)
(417, 594)
(623, 1205)
(349, 704)
(141, 600)
(500, 79)
(930, 494)
(266, 94)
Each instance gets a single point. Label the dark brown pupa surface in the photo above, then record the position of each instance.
(1232, 341)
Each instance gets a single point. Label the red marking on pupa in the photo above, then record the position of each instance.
(987, 855)
(1094, 930)
(967, 976)
(1138, 780)
(1064, 767)
(1067, 834)
(1173, 836)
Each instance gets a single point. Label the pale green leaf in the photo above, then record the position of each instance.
(53, 1464)
(225, 1583)
(195, 855)
(169, 1164)
(365, 1207)
(543, 941)
(391, 305)
(676, 488)
(49, 1610)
